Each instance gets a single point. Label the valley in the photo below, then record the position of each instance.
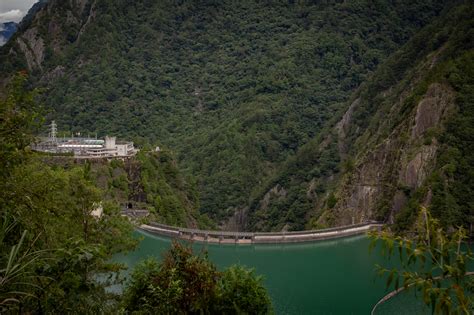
(197, 139)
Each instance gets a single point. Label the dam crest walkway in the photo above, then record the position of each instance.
(227, 237)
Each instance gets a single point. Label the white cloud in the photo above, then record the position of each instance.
(12, 16)
(23, 5)
(2, 40)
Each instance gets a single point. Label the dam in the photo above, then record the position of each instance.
(226, 237)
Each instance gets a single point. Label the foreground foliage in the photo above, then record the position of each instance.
(433, 262)
(188, 284)
(51, 247)
(55, 255)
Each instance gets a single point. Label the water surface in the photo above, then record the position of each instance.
(324, 277)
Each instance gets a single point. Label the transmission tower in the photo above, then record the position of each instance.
(54, 130)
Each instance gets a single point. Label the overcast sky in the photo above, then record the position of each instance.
(14, 10)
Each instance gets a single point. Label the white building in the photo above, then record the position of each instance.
(77, 146)
(112, 148)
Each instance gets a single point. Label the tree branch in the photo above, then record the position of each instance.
(395, 292)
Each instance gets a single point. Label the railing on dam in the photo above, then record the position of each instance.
(258, 237)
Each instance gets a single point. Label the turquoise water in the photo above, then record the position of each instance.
(326, 277)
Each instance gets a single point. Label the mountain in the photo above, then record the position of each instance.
(9, 28)
(417, 146)
(262, 102)
(403, 141)
(6, 31)
(37, 6)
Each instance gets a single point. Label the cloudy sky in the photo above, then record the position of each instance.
(14, 10)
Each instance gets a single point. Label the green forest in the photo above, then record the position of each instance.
(234, 89)
(246, 98)
(326, 161)
(255, 116)
(55, 255)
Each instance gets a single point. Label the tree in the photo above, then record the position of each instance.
(242, 292)
(52, 250)
(187, 284)
(432, 262)
(18, 120)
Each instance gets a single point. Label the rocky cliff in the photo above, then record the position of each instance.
(49, 28)
(392, 140)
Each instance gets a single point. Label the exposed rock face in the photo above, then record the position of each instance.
(311, 193)
(236, 221)
(390, 168)
(394, 164)
(54, 74)
(368, 184)
(275, 192)
(431, 108)
(90, 17)
(416, 170)
(342, 126)
(417, 160)
(32, 46)
(362, 197)
(31, 43)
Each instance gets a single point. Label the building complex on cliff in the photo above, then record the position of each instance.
(84, 147)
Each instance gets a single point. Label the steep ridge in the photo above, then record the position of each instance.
(49, 28)
(397, 146)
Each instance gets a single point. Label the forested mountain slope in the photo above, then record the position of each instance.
(240, 91)
(150, 180)
(405, 140)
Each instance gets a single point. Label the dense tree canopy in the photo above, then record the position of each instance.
(187, 284)
(234, 88)
(52, 248)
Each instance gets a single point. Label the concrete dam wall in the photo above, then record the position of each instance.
(225, 237)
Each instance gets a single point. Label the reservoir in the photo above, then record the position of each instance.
(324, 277)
